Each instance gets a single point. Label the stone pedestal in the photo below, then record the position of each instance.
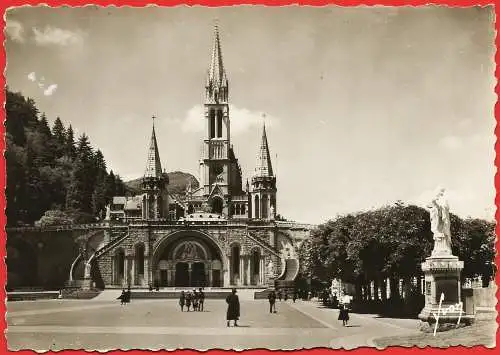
(442, 290)
(86, 284)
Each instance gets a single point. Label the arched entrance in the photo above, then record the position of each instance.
(217, 205)
(188, 259)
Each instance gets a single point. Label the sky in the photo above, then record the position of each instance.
(364, 106)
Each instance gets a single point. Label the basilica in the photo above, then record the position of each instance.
(219, 233)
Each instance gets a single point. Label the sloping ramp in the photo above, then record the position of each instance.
(108, 295)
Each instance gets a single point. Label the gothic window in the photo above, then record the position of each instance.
(242, 209)
(264, 206)
(238, 210)
(257, 205)
(219, 123)
(190, 209)
(211, 119)
(217, 205)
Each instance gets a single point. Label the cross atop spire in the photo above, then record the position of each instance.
(153, 164)
(264, 167)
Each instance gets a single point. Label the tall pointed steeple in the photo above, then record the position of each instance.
(217, 83)
(153, 165)
(264, 167)
(263, 195)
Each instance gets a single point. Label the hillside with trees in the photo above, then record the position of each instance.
(49, 169)
(177, 184)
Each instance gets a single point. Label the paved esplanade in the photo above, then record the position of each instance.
(159, 324)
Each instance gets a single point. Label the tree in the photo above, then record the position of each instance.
(59, 134)
(69, 145)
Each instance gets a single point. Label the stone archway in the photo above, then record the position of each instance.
(188, 259)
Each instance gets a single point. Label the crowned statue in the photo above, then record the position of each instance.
(440, 223)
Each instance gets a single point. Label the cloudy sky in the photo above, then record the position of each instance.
(364, 106)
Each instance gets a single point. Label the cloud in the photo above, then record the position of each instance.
(56, 36)
(50, 90)
(15, 31)
(32, 76)
(242, 119)
(451, 142)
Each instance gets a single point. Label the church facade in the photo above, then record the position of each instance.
(217, 234)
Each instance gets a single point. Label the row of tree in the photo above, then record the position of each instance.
(391, 243)
(48, 170)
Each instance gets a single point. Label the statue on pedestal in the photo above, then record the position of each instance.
(88, 267)
(440, 223)
(108, 213)
(270, 269)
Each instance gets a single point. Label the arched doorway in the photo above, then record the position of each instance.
(255, 267)
(191, 259)
(182, 275)
(139, 264)
(217, 205)
(119, 267)
(235, 265)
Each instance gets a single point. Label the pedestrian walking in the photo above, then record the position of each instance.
(343, 314)
(279, 295)
(188, 301)
(272, 301)
(122, 297)
(195, 300)
(182, 300)
(201, 301)
(128, 295)
(233, 308)
(294, 297)
(285, 298)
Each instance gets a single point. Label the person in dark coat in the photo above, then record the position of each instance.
(201, 301)
(195, 300)
(182, 300)
(122, 297)
(128, 295)
(279, 295)
(233, 308)
(294, 297)
(188, 300)
(285, 298)
(343, 314)
(272, 301)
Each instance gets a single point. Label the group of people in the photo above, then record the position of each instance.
(273, 295)
(125, 296)
(195, 299)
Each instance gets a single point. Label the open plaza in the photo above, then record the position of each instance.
(102, 323)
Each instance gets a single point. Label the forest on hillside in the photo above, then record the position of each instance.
(49, 169)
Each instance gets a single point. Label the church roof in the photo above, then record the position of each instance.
(216, 73)
(153, 164)
(264, 167)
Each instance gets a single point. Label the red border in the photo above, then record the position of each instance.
(212, 3)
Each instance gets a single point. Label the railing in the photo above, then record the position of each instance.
(60, 228)
(217, 149)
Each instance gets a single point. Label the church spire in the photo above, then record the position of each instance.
(153, 165)
(217, 83)
(264, 167)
